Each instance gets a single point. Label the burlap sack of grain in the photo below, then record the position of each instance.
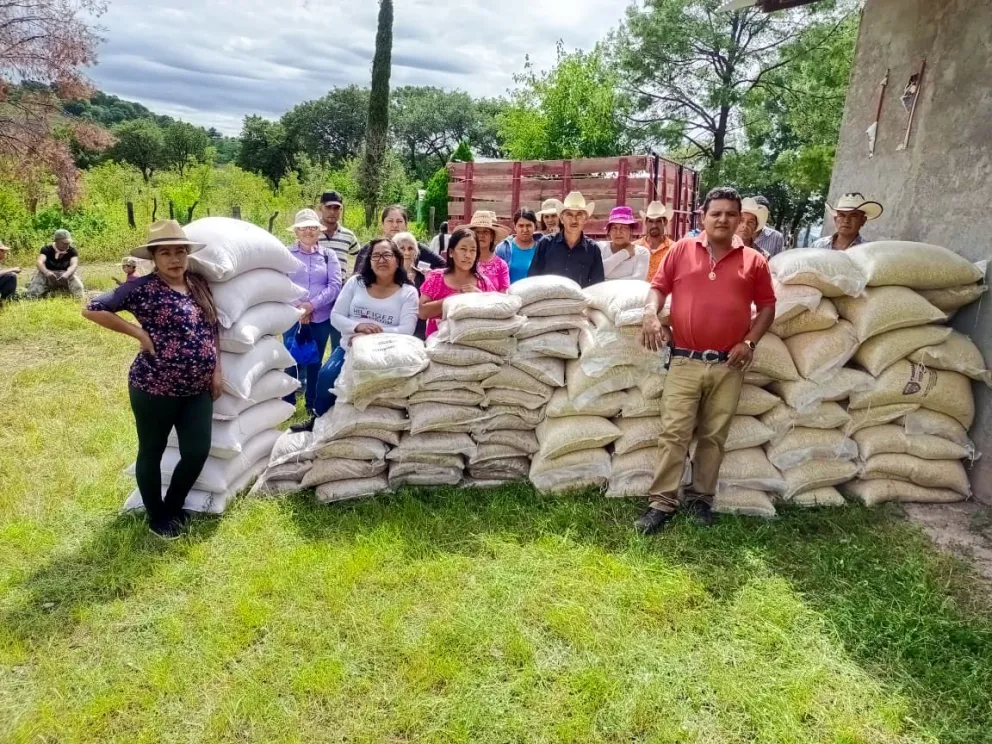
(344, 420)
(622, 300)
(914, 265)
(415, 474)
(486, 305)
(747, 432)
(550, 324)
(820, 354)
(448, 387)
(481, 329)
(632, 474)
(816, 474)
(925, 421)
(325, 471)
(264, 488)
(819, 497)
(508, 417)
(458, 355)
(501, 347)
(525, 441)
(805, 395)
(437, 372)
(544, 308)
(345, 490)
(938, 390)
(434, 442)
(957, 353)
(427, 417)
(547, 370)
(469, 397)
(874, 492)
(927, 473)
(882, 351)
(831, 272)
(490, 452)
(801, 445)
(557, 344)
(891, 439)
(583, 469)
(795, 299)
(428, 459)
(513, 378)
(607, 406)
(379, 360)
(772, 359)
(820, 318)
(636, 405)
(636, 434)
(355, 448)
(393, 396)
(884, 309)
(507, 397)
(652, 385)
(290, 471)
(952, 299)
(878, 416)
(559, 437)
(782, 419)
(750, 468)
(599, 354)
(583, 389)
(753, 378)
(505, 469)
(744, 502)
(755, 401)
(540, 288)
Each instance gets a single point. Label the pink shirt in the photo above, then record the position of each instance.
(435, 288)
(497, 271)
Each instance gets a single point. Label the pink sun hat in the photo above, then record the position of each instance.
(621, 216)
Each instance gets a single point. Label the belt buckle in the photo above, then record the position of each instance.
(710, 357)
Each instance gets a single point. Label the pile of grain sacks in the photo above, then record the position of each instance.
(248, 270)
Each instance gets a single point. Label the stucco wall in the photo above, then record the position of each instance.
(939, 190)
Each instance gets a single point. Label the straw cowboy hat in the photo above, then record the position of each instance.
(655, 210)
(750, 206)
(305, 218)
(486, 220)
(856, 202)
(621, 216)
(165, 232)
(575, 202)
(549, 206)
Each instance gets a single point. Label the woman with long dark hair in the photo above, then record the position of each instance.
(176, 377)
(488, 232)
(394, 221)
(518, 250)
(460, 275)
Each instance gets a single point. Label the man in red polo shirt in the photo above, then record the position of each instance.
(713, 280)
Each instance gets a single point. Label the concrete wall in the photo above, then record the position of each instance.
(939, 190)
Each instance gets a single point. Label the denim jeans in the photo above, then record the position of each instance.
(320, 333)
(325, 381)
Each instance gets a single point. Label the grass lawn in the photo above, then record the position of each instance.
(444, 615)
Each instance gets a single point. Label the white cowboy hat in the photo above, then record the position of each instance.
(305, 218)
(655, 210)
(575, 202)
(486, 220)
(165, 232)
(750, 206)
(856, 202)
(549, 206)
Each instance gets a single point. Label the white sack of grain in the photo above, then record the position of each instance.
(547, 370)
(818, 355)
(292, 446)
(805, 395)
(501, 347)
(354, 448)
(621, 300)
(438, 443)
(874, 492)
(346, 490)
(203, 502)
(957, 353)
(266, 319)
(831, 272)
(557, 344)
(600, 352)
(525, 441)
(508, 417)
(755, 401)
(652, 385)
(747, 432)
(233, 298)
(744, 502)
(632, 474)
(509, 397)
(925, 421)
(488, 305)
(606, 406)
(583, 469)
(540, 288)
(820, 318)
(512, 377)
(437, 372)
(878, 416)
(550, 324)
(377, 360)
(815, 474)
(290, 471)
(828, 496)
(782, 419)
(416, 474)
(948, 474)
(952, 299)
(478, 329)
(914, 265)
(325, 471)
(635, 405)
(583, 389)
(758, 380)
(891, 439)
(636, 434)
(750, 468)
(228, 438)
(938, 390)
(388, 394)
(266, 487)
(273, 384)
(426, 417)
(458, 355)
(240, 372)
(344, 420)
(454, 397)
(794, 299)
(882, 351)
(559, 437)
(884, 309)
(773, 360)
(233, 247)
(544, 308)
(801, 445)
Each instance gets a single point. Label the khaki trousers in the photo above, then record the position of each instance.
(698, 397)
(42, 285)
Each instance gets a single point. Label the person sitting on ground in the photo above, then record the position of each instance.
(379, 300)
(488, 232)
(570, 253)
(319, 273)
(851, 212)
(769, 240)
(462, 274)
(754, 217)
(176, 376)
(622, 259)
(518, 250)
(394, 221)
(129, 265)
(8, 276)
(656, 238)
(550, 221)
(416, 275)
(57, 267)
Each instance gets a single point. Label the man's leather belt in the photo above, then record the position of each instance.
(709, 356)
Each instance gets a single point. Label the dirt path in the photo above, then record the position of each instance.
(963, 530)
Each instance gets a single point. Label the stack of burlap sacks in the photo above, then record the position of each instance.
(248, 270)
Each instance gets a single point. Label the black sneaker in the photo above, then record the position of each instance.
(652, 521)
(701, 512)
(305, 426)
(167, 530)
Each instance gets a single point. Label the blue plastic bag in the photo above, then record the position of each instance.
(303, 348)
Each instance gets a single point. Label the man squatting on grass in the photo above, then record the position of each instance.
(713, 280)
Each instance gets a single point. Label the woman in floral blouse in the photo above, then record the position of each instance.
(176, 376)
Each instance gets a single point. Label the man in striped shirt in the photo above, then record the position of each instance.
(335, 236)
(768, 239)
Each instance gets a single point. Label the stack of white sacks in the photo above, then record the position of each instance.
(248, 270)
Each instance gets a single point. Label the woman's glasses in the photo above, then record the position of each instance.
(382, 257)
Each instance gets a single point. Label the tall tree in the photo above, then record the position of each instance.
(263, 148)
(329, 130)
(370, 175)
(142, 144)
(184, 142)
(485, 137)
(428, 123)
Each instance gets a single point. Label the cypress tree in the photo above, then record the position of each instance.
(377, 131)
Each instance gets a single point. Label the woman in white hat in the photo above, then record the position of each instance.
(754, 217)
(319, 274)
(176, 376)
(488, 233)
(550, 222)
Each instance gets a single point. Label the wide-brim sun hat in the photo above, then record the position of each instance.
(856, 202)
(575, 202)
(306, 218)
(750, 206)
(549, 206)
(165, 232)
(486, 220)
(657, 210)
(621, 216)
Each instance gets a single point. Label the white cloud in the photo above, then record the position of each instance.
(214, 62)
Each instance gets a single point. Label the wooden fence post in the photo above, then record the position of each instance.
(130, 215)
(236, 212)
(272, 220)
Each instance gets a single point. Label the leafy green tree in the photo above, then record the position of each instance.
(225, 148)
(183, 143)
(428, 123)
(370, 175)
(142, 144)
(484, 136)
(329, 130)
(263, 148)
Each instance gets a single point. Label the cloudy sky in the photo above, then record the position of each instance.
(213, 61)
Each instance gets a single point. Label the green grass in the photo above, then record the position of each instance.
(444, 615)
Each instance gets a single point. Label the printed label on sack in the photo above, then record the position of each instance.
(922, 381)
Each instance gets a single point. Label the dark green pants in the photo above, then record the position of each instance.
(154, 417)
